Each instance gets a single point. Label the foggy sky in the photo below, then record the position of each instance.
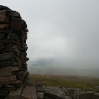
(66, 31)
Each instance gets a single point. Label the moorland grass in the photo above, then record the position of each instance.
(84, 83)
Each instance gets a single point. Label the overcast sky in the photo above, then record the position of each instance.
(66, 31)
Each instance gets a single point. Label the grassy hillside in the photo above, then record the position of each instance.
(84, 83)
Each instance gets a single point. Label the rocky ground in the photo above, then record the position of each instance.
(64, 93)
(37, 91)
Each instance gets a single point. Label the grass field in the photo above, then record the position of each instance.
(84, 83)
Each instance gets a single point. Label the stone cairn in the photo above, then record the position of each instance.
(13, 67)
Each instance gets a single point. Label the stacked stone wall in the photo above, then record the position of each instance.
(13, 47)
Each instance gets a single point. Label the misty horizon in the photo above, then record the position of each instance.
(49, 67)
(62, 33)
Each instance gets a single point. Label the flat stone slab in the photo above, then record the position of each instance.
(17, 92)
(54, 92)
(29, 92)
(40, 95)
(7, 55)
(6, 71)
(17, 97)
(8, 78)
(8, 62)
(16, 82)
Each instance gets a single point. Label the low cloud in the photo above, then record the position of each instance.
(64, 31)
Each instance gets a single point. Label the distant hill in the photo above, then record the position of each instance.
(92, 72)
(41, 62)
(51, 66)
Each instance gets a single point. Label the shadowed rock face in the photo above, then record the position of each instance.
(4, 7)
(13, 67)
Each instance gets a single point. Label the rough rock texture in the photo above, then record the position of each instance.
(56, 92)
(68, 93)
(13, 67)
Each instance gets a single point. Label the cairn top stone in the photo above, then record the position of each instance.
(4, 7)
